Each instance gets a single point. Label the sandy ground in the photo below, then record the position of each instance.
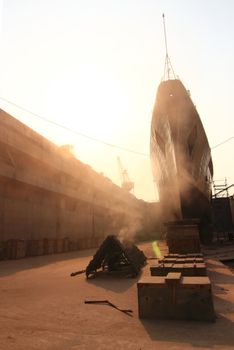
(42, 307)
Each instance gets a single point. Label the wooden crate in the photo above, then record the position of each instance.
(183, 237)
(35, 247)
(179, 298)
(15, 249)
(48, 246)
(187, 269)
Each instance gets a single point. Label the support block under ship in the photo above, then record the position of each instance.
(180, 156)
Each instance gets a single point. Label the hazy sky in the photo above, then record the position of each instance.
(94, 67)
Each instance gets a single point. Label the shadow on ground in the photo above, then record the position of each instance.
(183, 332)
(220, 277)
(116, 283)
(9, 267)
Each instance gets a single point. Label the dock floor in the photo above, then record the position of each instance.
(42, 307)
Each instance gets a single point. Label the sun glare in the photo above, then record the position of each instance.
(90, 101)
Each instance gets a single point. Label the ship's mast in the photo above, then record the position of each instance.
(168, 69)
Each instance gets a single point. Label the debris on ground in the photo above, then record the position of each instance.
(116, 256)
(107, 302)
(77, 273)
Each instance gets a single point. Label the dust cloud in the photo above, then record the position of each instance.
(128, 233)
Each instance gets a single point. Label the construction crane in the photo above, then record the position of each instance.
(126, 184)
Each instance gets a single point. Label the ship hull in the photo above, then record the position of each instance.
(180, 155)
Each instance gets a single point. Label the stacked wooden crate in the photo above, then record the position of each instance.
(175, 297)
(183, 237)
(188, 265)
(178, 287)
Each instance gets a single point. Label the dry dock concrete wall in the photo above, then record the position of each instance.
(52, 202)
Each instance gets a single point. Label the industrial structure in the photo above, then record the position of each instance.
(126, 184)
(223, 211)
(51, 202)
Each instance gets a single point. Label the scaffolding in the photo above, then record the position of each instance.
(223, 212)
(221, 189)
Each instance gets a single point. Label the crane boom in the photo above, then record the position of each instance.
(125, 181)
